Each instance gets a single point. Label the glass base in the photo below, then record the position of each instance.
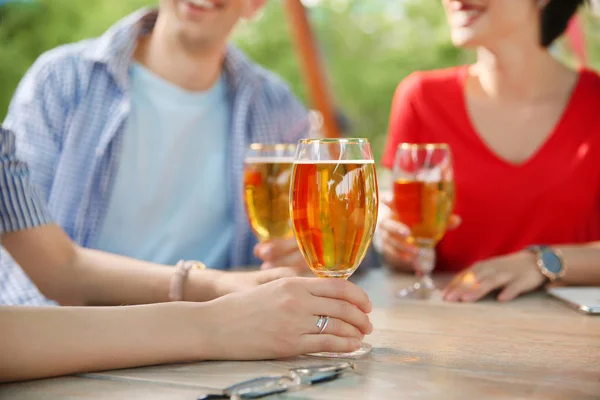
(424, 289)
(365, 349)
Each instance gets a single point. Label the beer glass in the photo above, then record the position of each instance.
(267, 173)
(333, 204)
(423, 201)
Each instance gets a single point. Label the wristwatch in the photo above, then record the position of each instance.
(550, 261)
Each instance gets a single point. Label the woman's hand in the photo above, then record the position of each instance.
(210, 284)
(398, 253)
(232, 282)
(278, 320)
(514, 274)
(281, 253)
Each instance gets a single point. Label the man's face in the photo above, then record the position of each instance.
(201, 23)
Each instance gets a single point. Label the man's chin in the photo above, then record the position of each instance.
(194, 41)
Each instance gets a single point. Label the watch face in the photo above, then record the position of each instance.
(552, 262)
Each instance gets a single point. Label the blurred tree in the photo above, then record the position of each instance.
(27, 29)
(368, 46)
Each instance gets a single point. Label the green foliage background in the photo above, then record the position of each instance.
(368, 46)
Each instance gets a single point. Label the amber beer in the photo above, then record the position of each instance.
(334, 213)
(425, 208)
(266, 195)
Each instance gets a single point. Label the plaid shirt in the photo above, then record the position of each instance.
(69, 114)
(21, 206)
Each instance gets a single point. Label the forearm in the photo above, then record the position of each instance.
(582, 264)
(52, 341)
(108, 279)
(75, 276)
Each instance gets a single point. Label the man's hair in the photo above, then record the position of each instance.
(555, 19)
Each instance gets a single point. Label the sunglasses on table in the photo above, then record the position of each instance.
(295, 379)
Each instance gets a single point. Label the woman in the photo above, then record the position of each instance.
(277, 319)
(524, 130)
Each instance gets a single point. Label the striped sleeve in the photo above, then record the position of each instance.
(21, 204)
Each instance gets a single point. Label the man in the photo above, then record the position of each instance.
(137, 138)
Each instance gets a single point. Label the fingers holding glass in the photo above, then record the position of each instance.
(347, 313)
(280, 252)
(337, 327)
(398, 252)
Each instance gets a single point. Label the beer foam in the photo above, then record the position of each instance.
(334, 162)
(269, 160)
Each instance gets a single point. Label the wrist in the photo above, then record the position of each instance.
(211, 335)
(203, 285)
(194, 330)
(528, 257)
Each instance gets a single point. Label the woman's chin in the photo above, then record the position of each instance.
(464, 40)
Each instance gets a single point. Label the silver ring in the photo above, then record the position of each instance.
(322, 323)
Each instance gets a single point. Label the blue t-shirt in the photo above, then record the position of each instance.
(169, 200)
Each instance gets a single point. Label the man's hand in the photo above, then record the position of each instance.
(281, 253)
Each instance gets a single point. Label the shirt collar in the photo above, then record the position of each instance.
(116, 47)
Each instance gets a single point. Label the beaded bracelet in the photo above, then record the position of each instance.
(182, 270)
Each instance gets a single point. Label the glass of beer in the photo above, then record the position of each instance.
(267, 173)
(423, 201)
(334, 202)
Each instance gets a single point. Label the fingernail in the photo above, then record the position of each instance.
(356, 344)
(451, 297)
(266, 252)
(469, 297)
(267, 265)
(402, 232)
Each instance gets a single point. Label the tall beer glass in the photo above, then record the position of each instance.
(334, 202)
(423, 201)
(267, 173)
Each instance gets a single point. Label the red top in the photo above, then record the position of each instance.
(552, 198)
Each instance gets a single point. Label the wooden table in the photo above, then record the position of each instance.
(533, 348)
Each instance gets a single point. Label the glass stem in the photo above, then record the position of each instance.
(424, 265)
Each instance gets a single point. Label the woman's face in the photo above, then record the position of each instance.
(487, 22)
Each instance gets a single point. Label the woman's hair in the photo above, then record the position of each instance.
(555, 18)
